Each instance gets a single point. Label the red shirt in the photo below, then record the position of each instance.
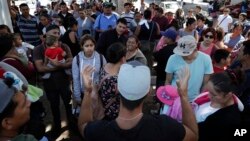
(52, 53)
(217, 69)
(162, 21)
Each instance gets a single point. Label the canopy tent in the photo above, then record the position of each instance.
(5, 14)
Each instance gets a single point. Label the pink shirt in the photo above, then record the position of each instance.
(206, 50)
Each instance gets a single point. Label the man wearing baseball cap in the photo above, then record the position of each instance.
(14, 111)
(200, 65)
(57, 85)
(106, 20)
(162, 56)
(131, 123)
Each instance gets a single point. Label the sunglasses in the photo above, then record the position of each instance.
(209, 36)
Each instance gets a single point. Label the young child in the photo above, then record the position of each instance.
(23, 49)
(52, 52)
(221, 60)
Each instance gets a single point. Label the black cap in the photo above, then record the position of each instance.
(107, 4)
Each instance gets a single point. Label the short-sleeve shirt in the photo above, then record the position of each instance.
(39, 51)
(59, 80)
(217, 69)
(182, 33)
(207, 50)
(149, 128)
(16, 63)
(204, 111)
(198, 68)
(224, 23)
(29, 29)
(162, 21)
(128, 16)
(233, 42)
(52, 53)
(103, 22)
(84, 25)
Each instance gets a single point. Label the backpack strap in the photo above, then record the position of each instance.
(77, 60)
(222, 21)
(101, 61)
(150, 35)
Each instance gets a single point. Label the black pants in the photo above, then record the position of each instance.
(57, 86)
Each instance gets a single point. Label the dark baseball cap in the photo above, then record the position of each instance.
(107, 4)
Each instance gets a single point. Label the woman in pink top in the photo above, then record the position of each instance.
(207, 46)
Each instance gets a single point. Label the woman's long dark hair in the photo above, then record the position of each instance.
(228, 81)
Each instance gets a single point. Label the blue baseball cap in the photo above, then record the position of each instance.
(169, 33)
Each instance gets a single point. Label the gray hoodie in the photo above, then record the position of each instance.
(94, 60)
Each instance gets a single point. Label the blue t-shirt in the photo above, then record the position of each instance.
(198, 68)
(86, 25)
(233, 42)
(104, 23)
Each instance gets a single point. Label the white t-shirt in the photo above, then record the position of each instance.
(224, 24)
(198, 68)
(204, 111)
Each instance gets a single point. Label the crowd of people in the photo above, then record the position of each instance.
(100, 63)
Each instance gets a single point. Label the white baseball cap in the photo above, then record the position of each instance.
(186, 45)
(134, 80)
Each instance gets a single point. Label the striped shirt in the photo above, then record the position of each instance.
(128, 16)
(29, 30)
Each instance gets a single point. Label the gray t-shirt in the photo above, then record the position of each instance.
(182, 32)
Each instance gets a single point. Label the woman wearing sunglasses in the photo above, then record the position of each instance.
(207, 46)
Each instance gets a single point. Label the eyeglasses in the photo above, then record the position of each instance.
(209, 36)
(225, 11)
